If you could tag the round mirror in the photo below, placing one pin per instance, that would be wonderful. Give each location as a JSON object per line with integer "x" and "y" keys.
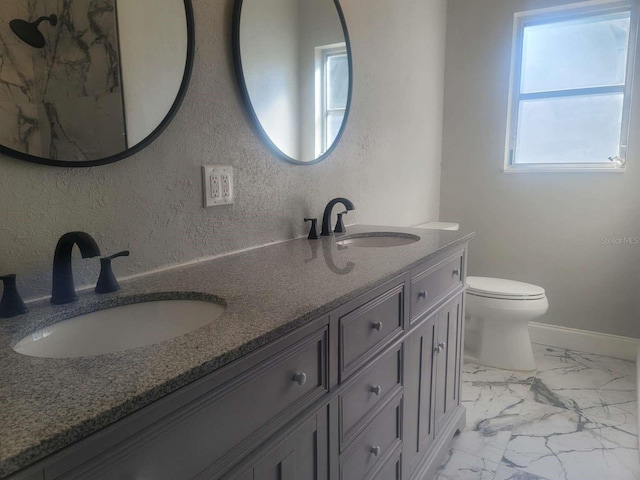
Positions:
{"x": 293, "y": 62}
{"x": 90, "y": 82}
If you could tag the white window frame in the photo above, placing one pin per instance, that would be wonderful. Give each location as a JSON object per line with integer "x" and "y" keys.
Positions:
{"x": 322, "y": 89}
{"x": 554, "y": 14}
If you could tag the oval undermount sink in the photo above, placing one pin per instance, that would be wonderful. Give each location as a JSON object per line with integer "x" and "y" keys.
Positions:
{"x": 378, "y": 239}
{"x": 119, "y": 328}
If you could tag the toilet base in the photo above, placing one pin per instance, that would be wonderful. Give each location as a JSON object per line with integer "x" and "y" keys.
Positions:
{"x": 499, "y": 344}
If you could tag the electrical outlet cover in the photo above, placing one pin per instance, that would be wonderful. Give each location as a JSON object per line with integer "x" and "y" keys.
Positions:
{"x": 217, "y": 185}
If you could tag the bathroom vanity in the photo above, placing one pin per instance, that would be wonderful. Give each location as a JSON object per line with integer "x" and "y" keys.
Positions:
{"x": 330, "y": 362}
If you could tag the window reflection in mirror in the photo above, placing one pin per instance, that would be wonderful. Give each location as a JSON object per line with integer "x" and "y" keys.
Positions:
{"x": 294, "y": 69}
{"x": 332, "y": 90}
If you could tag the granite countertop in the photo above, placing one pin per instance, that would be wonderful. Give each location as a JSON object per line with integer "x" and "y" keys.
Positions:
{"x": 48, "y": 404}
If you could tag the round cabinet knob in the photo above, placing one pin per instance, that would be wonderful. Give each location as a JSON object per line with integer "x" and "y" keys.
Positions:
{"x": 440, "y": 347}
{"x": 456, "y": 272}
{"x": 377, "y": 326}
{"x": 423, "y": 295}
{"x": 377, "y": 390}
{"x": 376, "y": 451}
{"x": 300, "y": 378}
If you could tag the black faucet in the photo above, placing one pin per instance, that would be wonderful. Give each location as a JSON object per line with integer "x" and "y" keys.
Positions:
{"x": 63, "y": 290}
{"x": 326, "y": 219}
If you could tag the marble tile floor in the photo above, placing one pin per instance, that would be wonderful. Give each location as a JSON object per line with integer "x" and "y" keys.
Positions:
{"x": 574, "y": 418}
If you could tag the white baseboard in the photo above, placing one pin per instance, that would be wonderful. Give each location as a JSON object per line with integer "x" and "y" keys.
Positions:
{"x": 626, "y": 348}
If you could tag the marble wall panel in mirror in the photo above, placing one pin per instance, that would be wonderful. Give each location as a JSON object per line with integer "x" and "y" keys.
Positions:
{"x": 105, "y": 78}
{"x": 294, "y": 69}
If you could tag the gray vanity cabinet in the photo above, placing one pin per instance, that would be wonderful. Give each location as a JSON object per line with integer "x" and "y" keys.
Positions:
{"x": 432, "y": 383}
{"x": 302, "y": 454}
{"x": 370, "y": 391}
{"x": 448, "y": 362}
{"x": 433, "y": 350}
{"x": 419, "y": 421}
{"x": 205, "y": 428}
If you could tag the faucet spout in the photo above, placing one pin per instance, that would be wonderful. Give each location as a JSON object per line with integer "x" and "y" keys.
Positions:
{"x": 326, "y": 219}
{"x": 63, "y": 289}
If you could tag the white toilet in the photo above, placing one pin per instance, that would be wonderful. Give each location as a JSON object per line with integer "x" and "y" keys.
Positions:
{"x": 498, "y": 313}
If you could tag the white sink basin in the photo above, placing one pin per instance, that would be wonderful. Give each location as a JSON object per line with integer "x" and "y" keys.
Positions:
{"x": 119, "y": 328}
{"x": 378, "y": 239}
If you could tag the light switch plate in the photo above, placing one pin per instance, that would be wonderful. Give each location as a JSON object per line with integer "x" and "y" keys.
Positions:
{"x": 217, "y": 185}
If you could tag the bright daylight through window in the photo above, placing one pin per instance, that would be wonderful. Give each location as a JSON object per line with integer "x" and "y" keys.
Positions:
{"x": 570, "y": 91}
{"x": 332, "y": 90}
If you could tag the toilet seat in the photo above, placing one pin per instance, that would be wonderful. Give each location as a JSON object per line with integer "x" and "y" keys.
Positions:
{"x": 503, "y": 289}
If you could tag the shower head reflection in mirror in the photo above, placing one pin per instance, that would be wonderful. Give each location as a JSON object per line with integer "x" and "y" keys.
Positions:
{"x": 89, "y": 83}
{"x": 28, "y": 31}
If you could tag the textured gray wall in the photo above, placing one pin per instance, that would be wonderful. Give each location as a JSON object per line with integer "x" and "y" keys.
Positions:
{"x": 388, "y": 162}
{"x": 544, "y": 228}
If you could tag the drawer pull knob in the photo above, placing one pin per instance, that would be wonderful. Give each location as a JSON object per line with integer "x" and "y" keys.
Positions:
{"x": 376, "y": 451}
{"x": 300, "y": 378}
{"x": 456, "y": 272}
{"x": 377, "y": 390}
{"x": 377, "y": 326}
{"x": 440, "y": 347}
{"x": 423, "y": 295}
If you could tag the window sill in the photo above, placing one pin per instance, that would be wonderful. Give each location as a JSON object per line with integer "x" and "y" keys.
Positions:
{"x": 578, "y": 168}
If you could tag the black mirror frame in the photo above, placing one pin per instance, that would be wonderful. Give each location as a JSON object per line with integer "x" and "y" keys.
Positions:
{"x": 246, "y": 99}
{"x": 191, "y": 40}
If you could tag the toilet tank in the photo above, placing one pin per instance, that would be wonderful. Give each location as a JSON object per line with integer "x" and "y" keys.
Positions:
{"x": 439, "y": 226}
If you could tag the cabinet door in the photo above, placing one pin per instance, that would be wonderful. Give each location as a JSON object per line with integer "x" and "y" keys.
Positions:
{"x": 301, "y": 455}
{"x": 448, "y": 359}
{"x": 419, "y": 394}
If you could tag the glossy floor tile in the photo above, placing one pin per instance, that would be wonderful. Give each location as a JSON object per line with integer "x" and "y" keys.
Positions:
{"x": 574, "y": 418}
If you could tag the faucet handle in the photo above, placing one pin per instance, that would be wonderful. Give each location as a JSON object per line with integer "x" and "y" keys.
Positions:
{"x": 124, "y": 253}
{"x": 339, "y": 224}
{"x": 107, "y": 282}
{"x": 11, "y": 304}
{"x": 313, "y": 233}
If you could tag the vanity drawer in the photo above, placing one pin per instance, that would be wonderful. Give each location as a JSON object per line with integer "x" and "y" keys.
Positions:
{"x": 378, "y": 439}
{"x": 229, "y": 422}
{"x": 429, "y": 285}
{"x": 377, "y": 383}
{"x": 367, "y": 329}
{"x": 391, "y": 470}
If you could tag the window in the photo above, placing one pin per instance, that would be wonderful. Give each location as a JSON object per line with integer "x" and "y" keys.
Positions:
{"x": 332, "y": 93}
{"x": 571, "y": 85}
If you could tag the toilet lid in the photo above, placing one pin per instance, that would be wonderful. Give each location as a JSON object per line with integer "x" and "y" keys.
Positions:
{"x": 504, "y": 289}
